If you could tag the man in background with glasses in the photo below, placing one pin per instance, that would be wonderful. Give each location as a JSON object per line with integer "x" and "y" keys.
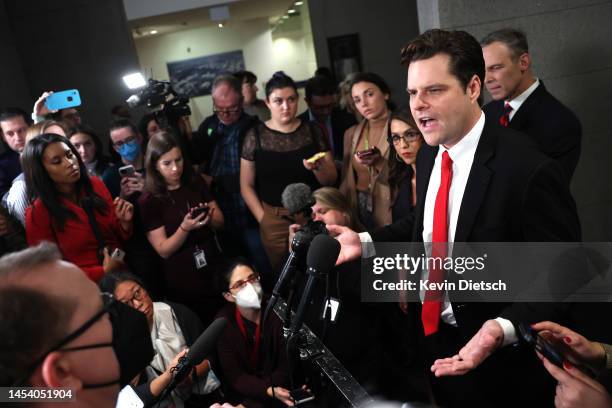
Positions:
{"x": 217, "y": 147}
{"x": 55, "y": 327}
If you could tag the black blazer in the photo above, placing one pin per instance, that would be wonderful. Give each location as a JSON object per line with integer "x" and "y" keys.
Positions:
{"x": 554, "y": 127}
{"x": 513, "y": 194}
{"x": 340, "y": 121}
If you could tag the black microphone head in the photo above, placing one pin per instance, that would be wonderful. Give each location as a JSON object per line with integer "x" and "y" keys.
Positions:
{"x": 207, "y": 341}
{"x": 297, "y": 197}
{"x": 323, "y": 253}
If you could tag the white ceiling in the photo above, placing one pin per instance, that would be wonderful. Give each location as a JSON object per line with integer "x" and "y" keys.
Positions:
{"x": 187, "y": 19}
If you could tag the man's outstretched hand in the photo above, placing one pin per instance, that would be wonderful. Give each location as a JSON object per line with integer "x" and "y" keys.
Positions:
{"x": 482, "y": 345}
{"x": 350, "y": 244}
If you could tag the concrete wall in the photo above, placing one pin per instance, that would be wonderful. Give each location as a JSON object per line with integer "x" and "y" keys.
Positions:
{"x": 83, "y": 44}
{"x": 263, "y": 54}
{"x": 570, "y": 46}
{"x": 383, "y": 27}
{"x": 15, "y": 91}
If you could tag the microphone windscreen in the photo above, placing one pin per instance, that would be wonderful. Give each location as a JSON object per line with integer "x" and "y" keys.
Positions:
{"x": 297, "y": 197}
{"x": 207, "y": 341}
{"x": 323, "y": 253}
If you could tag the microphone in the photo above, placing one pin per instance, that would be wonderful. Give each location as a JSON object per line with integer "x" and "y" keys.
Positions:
{"x": 321, "y": 258}
{"x": 200, "y": 349}
{"x": 300, "y": 242}
{"x": 297, "y": 198}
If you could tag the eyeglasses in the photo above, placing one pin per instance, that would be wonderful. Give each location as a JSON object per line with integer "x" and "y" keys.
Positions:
{"x": 242, "y": 283}
{"x": 138, "y": 295}
{"x": 124, "y": 141}
{"x": 408, "y": 136}
{"x": 108, "y": 304}
{"x": 231, "y": 111}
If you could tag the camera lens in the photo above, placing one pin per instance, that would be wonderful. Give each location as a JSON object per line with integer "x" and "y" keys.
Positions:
{"x": 69, "y": 99}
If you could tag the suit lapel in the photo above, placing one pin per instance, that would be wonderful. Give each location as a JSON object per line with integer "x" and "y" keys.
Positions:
{"x": 477, "y": 184}
{"x": 425, "y": 162}
{"x": 520, "y": 118}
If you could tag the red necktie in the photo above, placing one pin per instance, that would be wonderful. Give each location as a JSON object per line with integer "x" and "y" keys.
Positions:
{"x": 505, "y": 118}
{"x": 432, "y": 305}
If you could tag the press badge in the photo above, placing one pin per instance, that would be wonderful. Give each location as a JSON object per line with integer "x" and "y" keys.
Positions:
{"x": 200, "y": 259}
{"x": 330, "y": 308}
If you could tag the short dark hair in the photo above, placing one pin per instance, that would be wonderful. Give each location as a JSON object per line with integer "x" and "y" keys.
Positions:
{"x": 13, "y": 112}
{"x": 465, "y": 52}
{"x": 514, "y": 39}
{"x": 233, "y": 264}
{"x": 245, "y": 76}
{"x": 122, "y": 123}
{"x": 159, "y": 144}
{"x": 370, "y": 77}
{"x": 320, "y": 85}
{"x": 279, "y": 80}
{"x": 110, "y": 280}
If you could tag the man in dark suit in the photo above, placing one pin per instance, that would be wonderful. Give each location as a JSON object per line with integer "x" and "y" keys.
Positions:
{"x": 321, "y": 98}
{"x": 521, "y": 102}
{"x": 471, "y": 188}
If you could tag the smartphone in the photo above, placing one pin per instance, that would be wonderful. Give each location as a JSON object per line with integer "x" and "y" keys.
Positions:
{"x": 199, "y": 210}
{"x": 127, "y": 171}
{"x": 117, "y": 254}
{"x": 63, "y": 99}
{"x": 540, "y": 344}
{"x": 366, "y": 153}
{"x": 300, "y": 396}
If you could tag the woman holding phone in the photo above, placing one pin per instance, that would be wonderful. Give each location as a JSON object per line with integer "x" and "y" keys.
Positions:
{"x": 179, "y": 216}
{"x": 279, "y": 152}
{"x": 72, "y": 209}
{"x": 366, "y": 152}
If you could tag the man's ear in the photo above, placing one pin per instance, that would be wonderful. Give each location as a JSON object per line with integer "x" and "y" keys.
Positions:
{"x": 524, "y": 61}
{"x": 56, "y": 372}
{"x": 474, "y": 88}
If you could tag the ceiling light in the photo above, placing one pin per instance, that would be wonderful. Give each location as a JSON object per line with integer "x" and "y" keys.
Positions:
{"x": 299, "y": 3}
{"x": 153, "y": 31}
{"x": 135, "y": 80}
{"x": 220, "y": 25}
{"x": 285, "y": 16}
{"x": 291, "y": 11}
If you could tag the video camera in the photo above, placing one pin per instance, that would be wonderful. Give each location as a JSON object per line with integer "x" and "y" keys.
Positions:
{"x": 160, "y": 97}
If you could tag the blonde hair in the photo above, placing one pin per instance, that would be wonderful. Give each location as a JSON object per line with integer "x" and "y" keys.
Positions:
{"x": 332, "y": 198}
{"x": 41, "y": 127}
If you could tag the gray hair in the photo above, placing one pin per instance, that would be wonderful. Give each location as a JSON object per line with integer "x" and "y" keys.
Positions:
{"x": 28, "y": 259}
{"x": 514, "y": 39}
{"x": 228, "y": 79}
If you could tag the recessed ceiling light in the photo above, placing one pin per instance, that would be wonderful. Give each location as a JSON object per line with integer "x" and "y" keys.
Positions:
{"x": 153, "y": 31}
{"x": 291, "y": 11}
{"x": 220, "y": 25}
{"x": 299, "y": 3}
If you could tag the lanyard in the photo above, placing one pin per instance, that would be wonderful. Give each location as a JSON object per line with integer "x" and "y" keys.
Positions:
{"x": 255, "y": 349}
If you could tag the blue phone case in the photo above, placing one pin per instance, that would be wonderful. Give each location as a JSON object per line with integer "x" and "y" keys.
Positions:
{"x": 63, "y": 100}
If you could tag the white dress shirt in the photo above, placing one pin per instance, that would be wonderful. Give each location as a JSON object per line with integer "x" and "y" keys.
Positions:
{"x": 462, "y": 155}
{"x": 519, "y": 100}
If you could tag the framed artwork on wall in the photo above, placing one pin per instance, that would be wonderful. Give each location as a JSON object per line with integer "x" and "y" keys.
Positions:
{"x": 194, "y": 77}
{"x": 344, "y": 55}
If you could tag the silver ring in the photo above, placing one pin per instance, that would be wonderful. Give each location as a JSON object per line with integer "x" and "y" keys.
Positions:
{"x": 200, "y": 223}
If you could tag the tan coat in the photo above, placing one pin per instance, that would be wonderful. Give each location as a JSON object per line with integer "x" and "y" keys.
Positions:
{"x": 379, "y": 182}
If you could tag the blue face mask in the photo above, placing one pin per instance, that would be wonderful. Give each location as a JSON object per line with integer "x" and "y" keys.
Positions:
{"x": 129, "y": 151}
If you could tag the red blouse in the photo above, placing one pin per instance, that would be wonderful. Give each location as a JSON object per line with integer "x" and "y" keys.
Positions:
{"x": 77, "y": 241}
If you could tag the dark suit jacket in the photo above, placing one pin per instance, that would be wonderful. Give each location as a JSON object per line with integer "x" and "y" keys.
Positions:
{"x": 551, "y": 124}
{"x": 513, "y": 194}
{"x": 340, "y": 121}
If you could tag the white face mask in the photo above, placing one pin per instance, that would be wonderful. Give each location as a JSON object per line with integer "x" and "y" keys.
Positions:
{"x": 250, "y": 296}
